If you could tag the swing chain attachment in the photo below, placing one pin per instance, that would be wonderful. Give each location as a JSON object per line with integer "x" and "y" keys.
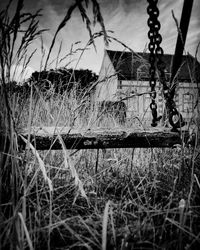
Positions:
{"x": 156, "y": 61}
{"x": 154, "y": 48}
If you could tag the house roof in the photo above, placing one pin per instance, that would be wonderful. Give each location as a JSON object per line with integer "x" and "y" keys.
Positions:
{"x": 127, "y": 65}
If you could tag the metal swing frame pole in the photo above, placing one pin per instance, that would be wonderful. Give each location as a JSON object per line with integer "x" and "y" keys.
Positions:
{"x": 181, "y": 39}
{"x": 156, "y": 50}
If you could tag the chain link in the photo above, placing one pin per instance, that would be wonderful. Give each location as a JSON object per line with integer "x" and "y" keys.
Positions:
{"x": 156, "y": 61}
{"x": 155, "y": 39}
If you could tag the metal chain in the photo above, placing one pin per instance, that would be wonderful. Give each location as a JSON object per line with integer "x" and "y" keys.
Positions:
{"x": 154, "y": 37}
{"x": 155, "y": 60}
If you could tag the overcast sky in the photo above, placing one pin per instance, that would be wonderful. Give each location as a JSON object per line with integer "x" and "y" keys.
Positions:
{"x": 128, "y": 20}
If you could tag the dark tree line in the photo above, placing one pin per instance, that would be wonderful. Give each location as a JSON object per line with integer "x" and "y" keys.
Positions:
{"x": 61, "y": 80}
{"x": 65, "y": 79}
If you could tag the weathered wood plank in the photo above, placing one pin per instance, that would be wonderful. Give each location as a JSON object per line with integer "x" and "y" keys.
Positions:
{"x": 45, "y": 138}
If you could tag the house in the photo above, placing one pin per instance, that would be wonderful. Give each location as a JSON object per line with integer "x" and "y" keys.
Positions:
{"x": 125, "y": 76}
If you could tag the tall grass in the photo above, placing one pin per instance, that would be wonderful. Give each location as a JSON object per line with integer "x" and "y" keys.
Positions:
{"x": 113, "y": 199}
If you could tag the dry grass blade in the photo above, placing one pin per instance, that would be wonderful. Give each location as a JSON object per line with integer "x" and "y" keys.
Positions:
{"x": 99, "y": 18}
{"x": 105, "y": 225}
{"x": 26, "y": 232}
{"x": 40, "y": 161}
{"x": 85, "y": 18}
{"x": 198, "y": 182}
{"x": 16, "y": 24}
{"x": 92, "y": 232}
{"x": 113, "y": 226}
{"x": 175, "y": 223}
{"x": 29, "y": 35}
{"x": 62, "y": 24}
{"x": 70, "y": 165}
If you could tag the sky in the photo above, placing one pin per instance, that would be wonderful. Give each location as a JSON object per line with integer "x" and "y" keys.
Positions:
{"x": 126, "y": 18}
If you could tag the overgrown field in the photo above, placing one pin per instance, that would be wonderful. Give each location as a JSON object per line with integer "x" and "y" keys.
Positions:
{"x": 119, "y": 199}
{"x": 98, "y": 199}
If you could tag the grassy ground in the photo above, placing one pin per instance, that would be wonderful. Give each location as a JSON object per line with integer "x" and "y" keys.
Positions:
{"x": 101, "y": 199}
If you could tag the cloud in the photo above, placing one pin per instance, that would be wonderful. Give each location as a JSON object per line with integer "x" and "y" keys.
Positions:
{"x": 127, "y": 18}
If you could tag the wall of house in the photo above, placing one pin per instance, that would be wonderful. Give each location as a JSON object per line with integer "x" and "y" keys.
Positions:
{"x": 107, "y": 87}
{"x": 139, "y": 106}
{"x": 186, "y": 98}
{"x": 112, "y": 89}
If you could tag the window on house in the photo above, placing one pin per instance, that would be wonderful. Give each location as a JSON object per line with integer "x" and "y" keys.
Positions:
{"x": 142, "y": 72}
{"x": 188, "y": 102}
{"x": 119, "y": 85}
